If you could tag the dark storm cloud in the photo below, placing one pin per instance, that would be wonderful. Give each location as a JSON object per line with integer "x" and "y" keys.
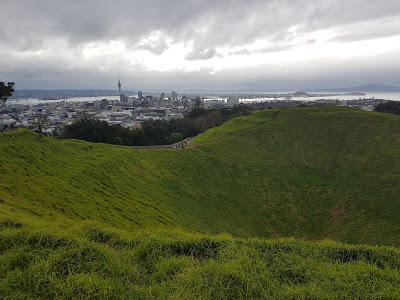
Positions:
{"x": 28, "y": 26}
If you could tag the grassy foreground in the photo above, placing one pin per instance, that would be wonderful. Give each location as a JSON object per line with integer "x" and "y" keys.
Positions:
{"x": 84, "y": 220}
{"x": 89, "y": 261}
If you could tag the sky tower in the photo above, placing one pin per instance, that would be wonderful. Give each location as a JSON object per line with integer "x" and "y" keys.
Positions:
{"x": 119, "y": 85}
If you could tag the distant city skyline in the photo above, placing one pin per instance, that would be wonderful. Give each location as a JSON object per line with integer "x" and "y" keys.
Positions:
{"x": 194, "y": 45}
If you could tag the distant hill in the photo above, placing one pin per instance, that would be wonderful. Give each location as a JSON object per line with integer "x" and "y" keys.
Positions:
{"x": 96, "y": 221}
{"x": 371, "y": 88}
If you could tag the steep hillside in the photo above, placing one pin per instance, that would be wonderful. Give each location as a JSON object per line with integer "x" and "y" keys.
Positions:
{"x": 95, "y": 221}
{"x": 309, "y": 173}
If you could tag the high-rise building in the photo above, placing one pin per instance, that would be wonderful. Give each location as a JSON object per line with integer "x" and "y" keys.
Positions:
{"x": 162, "y": 96}
{"x": 119, "y": 85}
{"x": 104, "y": 103}
{"x": 173, "y": 95}
{"x": 140, "y": 95}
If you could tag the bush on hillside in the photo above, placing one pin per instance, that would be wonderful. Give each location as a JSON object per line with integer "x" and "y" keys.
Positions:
{"x": 117, "y": 141}
{"x": 391, "y": 107}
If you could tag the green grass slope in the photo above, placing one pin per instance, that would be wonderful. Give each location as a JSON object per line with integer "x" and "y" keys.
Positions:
{"x": 91, "y": 262}
{"x": 317, "y": 173}
{"x": 310, "y": 173}
{"x": 84, "y": 220}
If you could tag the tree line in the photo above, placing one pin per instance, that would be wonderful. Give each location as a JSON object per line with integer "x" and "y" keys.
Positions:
{"x": 390, "y": 107}
{"x": 157, "y": 132}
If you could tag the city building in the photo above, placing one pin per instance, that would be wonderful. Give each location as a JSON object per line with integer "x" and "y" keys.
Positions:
{"x": 104, "y": 103}
{"x": 123, "y": 98}
{"x": 233, "y": 101}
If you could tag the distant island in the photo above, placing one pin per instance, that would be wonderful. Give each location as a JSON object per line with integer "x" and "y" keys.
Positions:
{"x": 305, "y": 94}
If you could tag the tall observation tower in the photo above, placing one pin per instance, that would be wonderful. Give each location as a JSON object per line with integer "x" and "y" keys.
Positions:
{"x": 119, "y": 85}
{"x": 121, "y": 96}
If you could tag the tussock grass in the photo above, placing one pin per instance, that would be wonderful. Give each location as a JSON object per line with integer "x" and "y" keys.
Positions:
{"x": 177, "y": 265}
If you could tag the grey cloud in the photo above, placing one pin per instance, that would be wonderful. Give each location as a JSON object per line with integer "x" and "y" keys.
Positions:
{"x": 271, "y": 49}
{"x": 317, "y": 74}
{"x": 155, "y": 47}
{"x": 367, "y": 31}
{"x": 199, "y": 54}
{"x": 244, "y": 51}
{"x": 277, "y": 48}
{"x": 329, "y": 13}
{"x": 225, "y": 22}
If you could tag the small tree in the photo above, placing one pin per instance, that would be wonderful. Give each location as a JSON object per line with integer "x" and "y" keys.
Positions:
{"x": 40, "y": 123}
{"x": 116, "y": 141}
{"x": 5, "y": 92}
{"x": 197, "y": 102}
{"x": 175, "y": 137}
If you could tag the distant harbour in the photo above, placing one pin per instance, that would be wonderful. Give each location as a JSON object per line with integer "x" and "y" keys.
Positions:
{"x": 30, "y": 101}
{"x": 346, "y": 97}
{"x": 245, "y": 98}
{"x": 342, "y": 97}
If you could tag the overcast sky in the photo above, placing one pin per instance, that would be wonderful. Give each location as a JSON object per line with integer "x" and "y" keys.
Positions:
{"x": 199, "y": 44}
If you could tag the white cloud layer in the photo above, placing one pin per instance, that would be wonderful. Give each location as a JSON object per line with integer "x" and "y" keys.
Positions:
{"x": 174, "y": 44}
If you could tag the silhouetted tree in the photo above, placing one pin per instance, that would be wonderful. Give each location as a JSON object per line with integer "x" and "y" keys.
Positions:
{"x": 5, "y": 92}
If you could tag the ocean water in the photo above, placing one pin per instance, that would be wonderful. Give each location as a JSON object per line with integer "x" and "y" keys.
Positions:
{"x": 31, "y": 101}
{"x": 386, "y": 96}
